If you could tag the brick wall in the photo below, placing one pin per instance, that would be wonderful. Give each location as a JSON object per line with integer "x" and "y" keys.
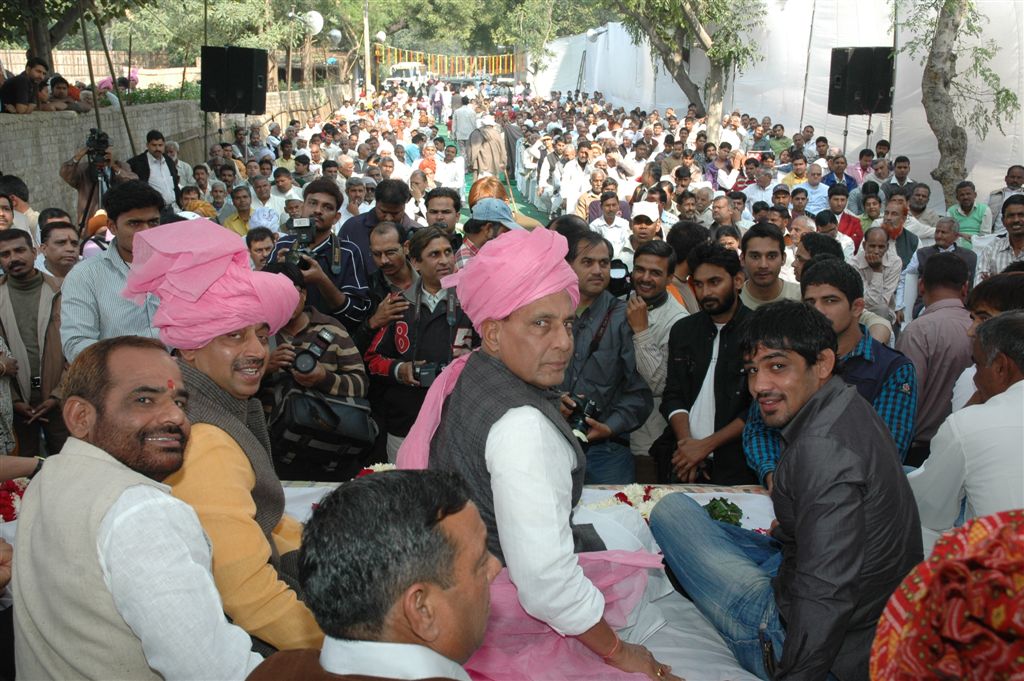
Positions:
{"x": 34, "y": 146}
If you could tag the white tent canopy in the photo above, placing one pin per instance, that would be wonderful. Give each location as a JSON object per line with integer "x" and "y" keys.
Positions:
{"x": 793, "y": 77}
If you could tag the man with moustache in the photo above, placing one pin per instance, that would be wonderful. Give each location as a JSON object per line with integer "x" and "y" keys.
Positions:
{"x": 652, "y": 313}
{"x": 603, "y": 367}
{"x": 334, "y": 269}
{"x": 218, "y": 315}
{"x": 142, "y": 603}
{"x": 703, "y": 400}
{"x": 432, "y": 329}
{"x": 394, "y": 275}
{"x": 502, "y": 431}
{"x": 30, "y": 323}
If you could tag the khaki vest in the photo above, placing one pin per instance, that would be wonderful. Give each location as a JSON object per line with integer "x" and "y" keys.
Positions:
{"x": 65, "y": 622}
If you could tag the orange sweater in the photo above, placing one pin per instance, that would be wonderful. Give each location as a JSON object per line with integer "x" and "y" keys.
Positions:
{"x": 216, "y": 480}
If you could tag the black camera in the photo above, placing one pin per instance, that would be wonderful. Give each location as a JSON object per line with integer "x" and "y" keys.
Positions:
{"x": 585, "y": 408}
{"x": 304, "y": 232}
{"x": 96, "y": 146}
{"x": 305, "y": 361}
{"x": 426, "y": 373}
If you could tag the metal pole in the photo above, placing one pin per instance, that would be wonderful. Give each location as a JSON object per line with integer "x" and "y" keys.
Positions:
{"x": 807, "y": 66}
{"x": 129, "y": 54}
{"x": 366, "y": 45}
{"x": 92, "y": 77}
{"x": 895, "y": 56}
{"x": 206, "y": 116}
{"x": 110, "y": 65}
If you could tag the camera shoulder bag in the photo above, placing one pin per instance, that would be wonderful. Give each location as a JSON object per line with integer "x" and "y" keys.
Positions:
{"x": 307, "y": 424}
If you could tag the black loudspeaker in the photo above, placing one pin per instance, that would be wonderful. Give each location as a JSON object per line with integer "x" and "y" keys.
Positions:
{"x": 234, "y": 80}
{"x": 860, "y": 81}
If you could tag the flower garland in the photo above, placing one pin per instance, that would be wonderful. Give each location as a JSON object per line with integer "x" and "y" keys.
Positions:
{"x": 11, "y": 492}
{"x": 376, "y": 468}
{"x": 641, "y": 497}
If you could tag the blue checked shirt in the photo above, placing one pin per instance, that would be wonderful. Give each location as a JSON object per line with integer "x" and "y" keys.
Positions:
{"x": 896, "y": 404}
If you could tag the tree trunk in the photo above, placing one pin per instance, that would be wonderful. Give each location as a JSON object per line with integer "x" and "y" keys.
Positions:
{"x": 37, "y": 31}
{"x": 716, "y": 94}
{"x": 671, "y": 54}
{"x": 939, "y": 71}
{"x": 271, "y": 70}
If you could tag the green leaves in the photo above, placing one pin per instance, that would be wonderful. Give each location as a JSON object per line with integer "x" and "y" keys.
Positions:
{"x": 725, "y": 511}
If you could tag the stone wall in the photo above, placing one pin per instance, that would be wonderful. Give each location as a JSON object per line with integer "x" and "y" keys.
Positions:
{"x": 34, "y": 146}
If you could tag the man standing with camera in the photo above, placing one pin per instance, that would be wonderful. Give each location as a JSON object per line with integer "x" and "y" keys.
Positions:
{"x": 603, "y": 368}
{"x": 406, "y": 355}
{"x": 331, "y": 265}
{"x": 93, "y": 172}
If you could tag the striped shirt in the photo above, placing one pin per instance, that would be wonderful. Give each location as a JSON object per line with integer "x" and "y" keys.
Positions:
{"x": 895, "y": 404}
{"x": 995, "y": 257}
{"x": 92, "y": 307}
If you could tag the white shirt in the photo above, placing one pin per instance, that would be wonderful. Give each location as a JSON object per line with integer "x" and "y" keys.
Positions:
{"x": 531, "y": 464}
{"x": 160, "y": 178}
{"x": 389, "y": 660}
{"x": 617, "y": 233}
{"x": 978, "y": 455}
{"x": 755, "y": 193}
{"x": 964, "y": 388}
{"x": 702, "y": 413}
{"x": 155, "y": 561}
{"x": 452, "y": 175}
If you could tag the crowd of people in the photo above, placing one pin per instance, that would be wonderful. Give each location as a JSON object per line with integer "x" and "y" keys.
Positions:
{"x": 753, "y": 312}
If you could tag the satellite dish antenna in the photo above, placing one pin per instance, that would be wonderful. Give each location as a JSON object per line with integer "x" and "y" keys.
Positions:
{"x": 334, "y": 35}
{"x": 381, "y": 36}
{"x": 314, "y": 22}
{"x": 594, "y": 32}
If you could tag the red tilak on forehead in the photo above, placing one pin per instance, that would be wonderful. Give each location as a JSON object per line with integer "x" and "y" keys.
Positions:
{"x": 170, "y": 384}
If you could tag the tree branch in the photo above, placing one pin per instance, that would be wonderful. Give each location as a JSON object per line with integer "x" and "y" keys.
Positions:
{"x": 698, "y": 28}
{"x": 65, "y": 24}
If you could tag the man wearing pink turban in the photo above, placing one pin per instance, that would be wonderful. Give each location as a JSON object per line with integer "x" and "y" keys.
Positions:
{"x": 217, "y": 315}
{"x": 493, "y": 417}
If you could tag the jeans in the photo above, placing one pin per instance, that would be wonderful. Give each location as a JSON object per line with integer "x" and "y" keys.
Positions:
{"x": 609, "y": 463}
{"x": 727, "y": 572}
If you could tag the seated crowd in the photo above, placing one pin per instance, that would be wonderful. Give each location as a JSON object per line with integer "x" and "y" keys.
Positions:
{"x": 306, "y": 301}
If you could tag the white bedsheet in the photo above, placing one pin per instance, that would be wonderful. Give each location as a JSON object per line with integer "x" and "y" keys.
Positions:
{"x": 686, "y": 641}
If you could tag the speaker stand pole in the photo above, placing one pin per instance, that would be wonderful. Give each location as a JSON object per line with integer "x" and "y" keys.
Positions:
{"x": 868, "y": 145}
{"x": 846, "y": 132}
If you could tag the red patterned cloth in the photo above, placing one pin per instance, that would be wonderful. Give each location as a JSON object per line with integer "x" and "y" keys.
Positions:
{"x": 960, "y": 613}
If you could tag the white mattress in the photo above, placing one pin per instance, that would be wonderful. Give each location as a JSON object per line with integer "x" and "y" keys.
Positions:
{"x": 687, "y": 641}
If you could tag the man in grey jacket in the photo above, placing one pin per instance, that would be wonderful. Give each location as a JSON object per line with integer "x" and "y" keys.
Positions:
{"x": 603, "y": 367}
{"x": 803, "y": 602}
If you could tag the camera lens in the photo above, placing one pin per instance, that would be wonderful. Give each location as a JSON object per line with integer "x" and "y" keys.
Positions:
{"x": 305, "y": 362}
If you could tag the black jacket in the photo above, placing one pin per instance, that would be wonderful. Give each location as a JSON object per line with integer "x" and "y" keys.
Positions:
{"x": 849, "y": 529}
{"x": 140, "y": 166}
{"x": 689, "y": 356}
{"x": 428, "y": 336}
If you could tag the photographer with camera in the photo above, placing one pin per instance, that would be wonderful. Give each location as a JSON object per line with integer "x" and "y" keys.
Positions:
{"x": 332, "y": 266}
{"x": 315, "y": 352}
{"x": 604, "y": 395}
{"x": 407, "y": 355}
{"x": 93, "y": 170}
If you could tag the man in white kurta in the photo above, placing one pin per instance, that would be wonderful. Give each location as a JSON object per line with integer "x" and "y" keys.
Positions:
{"x": 977, "y": 455}
{"x": 111, "y": 573}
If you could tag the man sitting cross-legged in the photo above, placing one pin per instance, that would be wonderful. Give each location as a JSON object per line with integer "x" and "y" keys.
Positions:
{"x": 802, "y": 603}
